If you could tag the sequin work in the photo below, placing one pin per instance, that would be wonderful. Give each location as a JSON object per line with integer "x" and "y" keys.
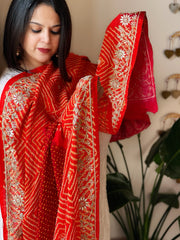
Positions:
{"x": 83, "y": 163}
{"x": 126, "y": 74}
{"x": 118, "y": 68}
{"x": 49, "y": 156}
{"x": 17, "y": 100}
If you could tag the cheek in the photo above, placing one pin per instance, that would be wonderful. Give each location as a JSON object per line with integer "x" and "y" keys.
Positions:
{"x": 56, "y": 42}
{"x": 29, "y": 43}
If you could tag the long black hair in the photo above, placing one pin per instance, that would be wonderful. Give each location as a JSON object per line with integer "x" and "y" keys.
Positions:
{"x": 18, "y": 17}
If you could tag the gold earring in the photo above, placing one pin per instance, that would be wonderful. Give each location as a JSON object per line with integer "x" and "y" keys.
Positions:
{"x": 18, "y": 52}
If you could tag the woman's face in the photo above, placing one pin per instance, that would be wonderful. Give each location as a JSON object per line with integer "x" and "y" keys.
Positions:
{"x": 42, "y": 36}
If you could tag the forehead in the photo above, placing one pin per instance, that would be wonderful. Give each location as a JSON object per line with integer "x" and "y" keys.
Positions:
{"x": 44, "y": 13}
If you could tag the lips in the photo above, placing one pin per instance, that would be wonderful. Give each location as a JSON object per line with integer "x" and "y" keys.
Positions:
{"x": 44, "y": 50}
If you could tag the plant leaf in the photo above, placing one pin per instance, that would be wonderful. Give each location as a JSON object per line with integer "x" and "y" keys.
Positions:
{"x": 169, "y": 199}
{"x": 173, "y": 169}
{"x": 108, "y": 159}
{"x": 119, "y": 191}
{"x": 157, "y": 159}
{"x": 167, "y": 150}
{"x": 119, "y": 180}
{"x": 155, "y": 148}
{"x": 171, "y": 143}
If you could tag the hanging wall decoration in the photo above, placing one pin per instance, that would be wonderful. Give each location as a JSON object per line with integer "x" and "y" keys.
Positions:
{"x": 168, "y": 120}
{"x": 174, "y": 6}
{"x": 171, "y": 51}
{"x": 175, "y": 93}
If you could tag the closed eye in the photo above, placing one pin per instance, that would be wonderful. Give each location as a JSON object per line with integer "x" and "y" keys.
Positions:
{"x": 56, "y": 32}
{"x": 37, "y": 28}
{"x": 35, "y": 31}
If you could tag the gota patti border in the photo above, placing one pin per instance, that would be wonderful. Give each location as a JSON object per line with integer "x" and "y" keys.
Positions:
{"x": 78, "y": 212}
{"x": 16, "y": 101}
{"x": 116, "y": 61}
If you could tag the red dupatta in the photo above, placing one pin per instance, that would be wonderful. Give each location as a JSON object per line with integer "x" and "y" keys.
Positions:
{"x": 33, "y": 159}
{"x": 126, "y": 72}
{"x": 50, "y": 146}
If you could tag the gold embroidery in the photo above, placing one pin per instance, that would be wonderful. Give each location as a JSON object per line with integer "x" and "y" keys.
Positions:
{"x": 125, "y": 19}
{"x": 122, "y": 58}
{"x": 16, "y": 100}
{"x": 87, "y": 158}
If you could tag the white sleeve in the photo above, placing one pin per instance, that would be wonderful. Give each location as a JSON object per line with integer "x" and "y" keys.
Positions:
{"x": 5, "y": 77}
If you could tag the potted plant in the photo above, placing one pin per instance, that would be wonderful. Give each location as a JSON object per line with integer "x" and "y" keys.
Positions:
{"x": 139, "y": 212}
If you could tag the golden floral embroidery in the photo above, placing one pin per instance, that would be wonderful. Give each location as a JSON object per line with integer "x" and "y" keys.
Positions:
{"x": 16, "y": 100}
{"x": 122, "y": 58}
{"x": 83, "y": 203}
{"x": 114, "y": 68}
{"x": 87, "y": 158}
{"x": 125, "y": 19}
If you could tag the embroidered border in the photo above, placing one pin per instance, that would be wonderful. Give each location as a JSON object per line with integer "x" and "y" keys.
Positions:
{"x": 80, "y": 186}
{"x": 115, "y": 63}
{"x": 15, "y": 102}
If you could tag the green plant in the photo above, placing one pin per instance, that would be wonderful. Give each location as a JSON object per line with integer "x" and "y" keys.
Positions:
{"x": 136, "y": 223}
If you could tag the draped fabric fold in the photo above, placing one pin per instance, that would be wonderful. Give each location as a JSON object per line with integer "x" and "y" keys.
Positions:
{"x": 49, "y": 162}
{"x": 125, "y": 70}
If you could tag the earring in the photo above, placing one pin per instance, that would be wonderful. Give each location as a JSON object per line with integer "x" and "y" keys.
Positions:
{"x": 18, "y": 51}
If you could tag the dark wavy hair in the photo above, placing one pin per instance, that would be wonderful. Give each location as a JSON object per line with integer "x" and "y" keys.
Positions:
{"x": 18, "y": 17}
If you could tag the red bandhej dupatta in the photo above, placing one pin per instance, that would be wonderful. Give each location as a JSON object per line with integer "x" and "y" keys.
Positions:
{"x": 49, "y": 182}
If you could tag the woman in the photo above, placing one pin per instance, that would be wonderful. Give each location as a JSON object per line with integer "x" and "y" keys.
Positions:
{"x": 51, "y": 115}
{"x": 17, "y": 21}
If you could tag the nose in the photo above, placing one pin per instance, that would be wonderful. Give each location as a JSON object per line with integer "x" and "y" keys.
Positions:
{"x": 46, "y": 36}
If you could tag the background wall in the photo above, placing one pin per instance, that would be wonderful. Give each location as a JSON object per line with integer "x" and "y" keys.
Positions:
{"x": 90, "y": 19}
{"x": 4, "y": 4}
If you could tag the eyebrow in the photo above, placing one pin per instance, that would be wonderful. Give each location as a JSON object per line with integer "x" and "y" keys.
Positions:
{"x": 57, "y": 25}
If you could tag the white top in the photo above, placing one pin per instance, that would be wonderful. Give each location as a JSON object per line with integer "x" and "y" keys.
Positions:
{"x": 6, "y": 76}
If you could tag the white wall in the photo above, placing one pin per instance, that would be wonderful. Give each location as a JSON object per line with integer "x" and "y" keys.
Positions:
{"x": 90, "y": 19}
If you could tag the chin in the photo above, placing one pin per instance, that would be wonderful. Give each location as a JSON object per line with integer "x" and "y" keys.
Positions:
{"x": 45, "y": 62}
